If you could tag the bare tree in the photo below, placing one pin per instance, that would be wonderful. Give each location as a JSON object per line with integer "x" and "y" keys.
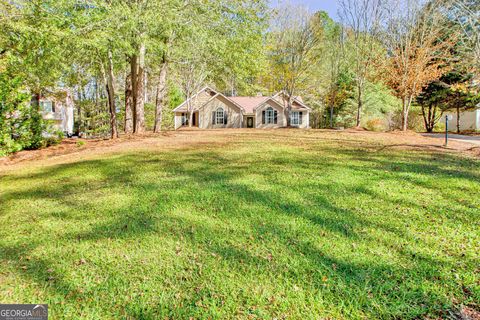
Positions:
{"x": 335, "y": 60}
{"x": 418, "y": 44}
{"x": 467, "y": 15}
{"x": 293, "y": 39}
{"x": 192, "y": 78}
{"x": 362, "y": 19}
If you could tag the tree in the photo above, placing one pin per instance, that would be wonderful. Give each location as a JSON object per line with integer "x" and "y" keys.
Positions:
{"x": 292, "y": 40}
{"x": 31, "y": 50}
{"x": 333, "y": 64}
{"x": 362, "y": 20}
{"x": 109, "y": 80}
{"x": 452, "y": 91}
{"x": 430, "y": 100}
{"x": 15, "y": 116}
{"x": 419, "y": 47}
{"x": 466, "y": 15}
{"x": 161, "y": 94}
{"x": 220, "y": 41}
{"x": 192, "y": 72}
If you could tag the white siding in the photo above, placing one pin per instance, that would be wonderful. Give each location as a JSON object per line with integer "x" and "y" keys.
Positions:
{"x": 469, "y": 120}
{"x": 234, "y": 115}
{"x": 281, "y": 120}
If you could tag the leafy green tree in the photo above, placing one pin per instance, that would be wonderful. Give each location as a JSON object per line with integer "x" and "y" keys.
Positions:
{"x": 31, "y": 50}
{"x": 292, "y": 40}
{"x": 452, "y": 91}
{"x": 361, "y": 19}
{"x": 17, "y": 117}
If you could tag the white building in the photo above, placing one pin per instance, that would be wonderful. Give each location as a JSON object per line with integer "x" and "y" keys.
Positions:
{"x": 469, "y": 119}
{"x": 58, "y": 110}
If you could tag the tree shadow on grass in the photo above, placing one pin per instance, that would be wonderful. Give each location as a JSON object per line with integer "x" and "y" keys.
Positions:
{"x": 212, "y": 173}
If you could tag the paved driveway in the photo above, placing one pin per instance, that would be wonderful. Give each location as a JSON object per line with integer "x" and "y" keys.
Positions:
{"x": 457, "y": 137}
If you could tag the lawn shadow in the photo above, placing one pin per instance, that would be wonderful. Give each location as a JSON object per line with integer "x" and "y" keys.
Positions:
{"x": 204, "y": 173}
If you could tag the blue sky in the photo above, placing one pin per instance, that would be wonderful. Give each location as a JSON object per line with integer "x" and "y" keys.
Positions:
{"x": 326, "y": 5}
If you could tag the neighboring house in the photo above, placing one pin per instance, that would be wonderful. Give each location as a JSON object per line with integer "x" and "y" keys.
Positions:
{"x": 469, "y": 119}
{"x": 211, "y": 109}
{"x": 57, "y": 109}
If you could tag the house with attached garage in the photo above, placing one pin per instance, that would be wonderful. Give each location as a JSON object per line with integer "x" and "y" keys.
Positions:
{"x": 212, "y": 109}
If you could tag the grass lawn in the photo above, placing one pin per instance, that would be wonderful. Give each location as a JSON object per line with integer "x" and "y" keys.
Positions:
{"x": 278, "y": 224}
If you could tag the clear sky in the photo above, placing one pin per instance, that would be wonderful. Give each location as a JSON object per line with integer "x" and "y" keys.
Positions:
{"x": 329, "y": 6}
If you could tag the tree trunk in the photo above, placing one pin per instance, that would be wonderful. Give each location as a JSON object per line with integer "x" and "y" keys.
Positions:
{"x": 139, "y": 95}
{"x": 190, "y": 119}
{"x": 111, "y": 97}
{"x": 359, "y": 107}
{"x": 405, "y": 109}
{"x": 161, "y": 94}
{"x": 128, "y": 104}
{"x": 458, "y": 119}
{"x": 425, "y": 119}
{"x": 430, "y": 119}
{"x": 331, "y": 116}
{"x": 133, "y": 79}
{"x": 79, "y": 112}
{"x": 289, "y": 110}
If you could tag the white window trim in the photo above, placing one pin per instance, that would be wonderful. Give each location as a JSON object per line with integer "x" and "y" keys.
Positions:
{"x": 269, "y": 116}
{"x": 295, "y": 118}
{"x": 220, "y": 116}
{"x": 44, "y": 103}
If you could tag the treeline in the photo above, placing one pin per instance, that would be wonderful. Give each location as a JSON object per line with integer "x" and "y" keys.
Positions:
{"x": 383, "y": 59}
{"x": 124, "y": 62}
{"x": 127, "y": 63}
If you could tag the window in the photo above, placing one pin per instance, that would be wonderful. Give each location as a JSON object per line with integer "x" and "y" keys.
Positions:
{"x": 269, "y": 116}
{"x": 46, "y": 106}
{"x": 219, "y": 116}
{"x": 295, "y": 118}
{"x": 184, "y": 119}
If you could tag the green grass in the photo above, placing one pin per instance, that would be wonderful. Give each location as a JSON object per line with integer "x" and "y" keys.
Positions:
{"x": 258, "y": 227}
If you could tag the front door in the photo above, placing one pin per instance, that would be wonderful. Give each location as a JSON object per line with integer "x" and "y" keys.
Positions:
{"x": 249, "y": 122}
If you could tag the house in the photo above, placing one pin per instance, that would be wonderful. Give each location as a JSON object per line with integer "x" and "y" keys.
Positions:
{"x": 57, "y": 109}
{"x": 211, "y": 109}
{"x": 468, "y": 120}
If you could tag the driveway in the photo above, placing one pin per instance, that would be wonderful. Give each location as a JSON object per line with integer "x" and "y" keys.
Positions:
{"x": 457, "y": 137}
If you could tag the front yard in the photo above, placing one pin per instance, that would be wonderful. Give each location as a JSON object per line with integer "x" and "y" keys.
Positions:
{"x": 244, "y": 224}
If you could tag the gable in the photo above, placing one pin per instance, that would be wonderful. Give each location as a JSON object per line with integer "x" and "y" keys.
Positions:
{"x": 221, "y": 100}
{"x": 297, "y": 101}
{"x": 199, "y": 99}
{"x": 270, "y": 103}
{"x": 247, "y": 105}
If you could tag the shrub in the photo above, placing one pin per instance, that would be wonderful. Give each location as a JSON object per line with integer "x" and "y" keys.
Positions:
{"x": 376, "y": 124}
{"x": 50, "y": 141}
{"x": 20, "y": 124}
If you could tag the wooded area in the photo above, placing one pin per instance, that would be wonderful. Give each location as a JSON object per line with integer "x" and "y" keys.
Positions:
{"x": 127, "y": 64}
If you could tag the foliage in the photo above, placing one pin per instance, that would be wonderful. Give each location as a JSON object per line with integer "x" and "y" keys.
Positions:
{"x": 362, "y": 19}
{"x": 452, "y": 91}
{"x": 420, "y": 42}
{"x": 291, "y": 43}
{"x": 20, "y": 125}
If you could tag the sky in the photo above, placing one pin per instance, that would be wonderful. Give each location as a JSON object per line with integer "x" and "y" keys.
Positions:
{"x": 329, "y": 6}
